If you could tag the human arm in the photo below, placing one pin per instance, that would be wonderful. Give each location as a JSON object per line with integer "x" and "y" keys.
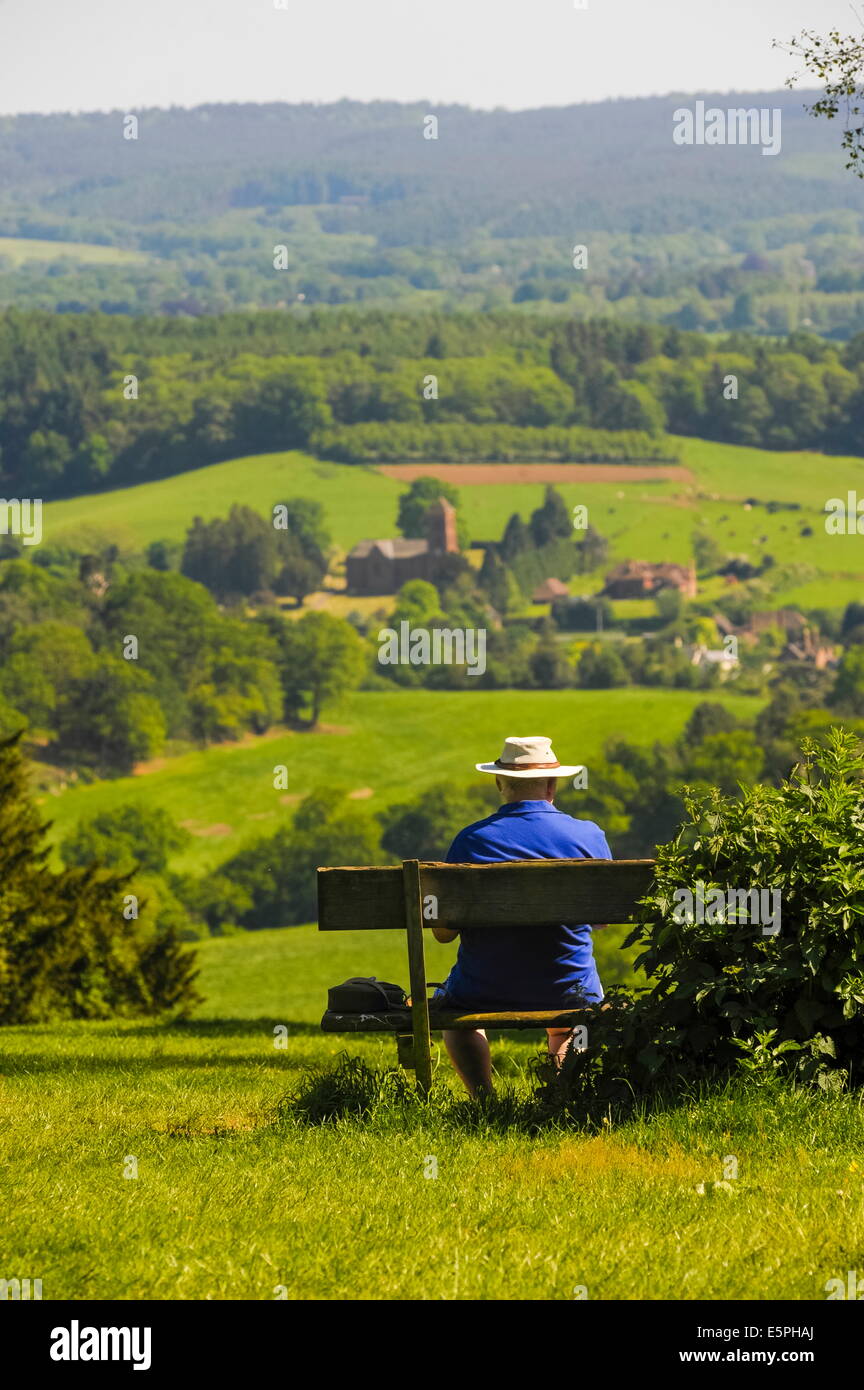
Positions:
{"x": 455, "y": 855}
{"x": 442, "y": 933}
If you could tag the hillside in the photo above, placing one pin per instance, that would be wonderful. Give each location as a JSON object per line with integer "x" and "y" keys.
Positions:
{"x": 651, "y": 520}
{"x": 376, "y": 746}
{"x": 486, "y": 214}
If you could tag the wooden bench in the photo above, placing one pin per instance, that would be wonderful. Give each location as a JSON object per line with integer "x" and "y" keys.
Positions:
{"x": 521, "y": 893}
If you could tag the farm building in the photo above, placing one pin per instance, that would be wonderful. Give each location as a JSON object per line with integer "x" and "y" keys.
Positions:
{"x": 789, "y": 620}
{"x": 724, "y": 661}
{"x": 810, "y": 650}
{"x": 640, "y": 579}
{"x": 804, "y": 644}
{"x": 383, "y": 566}
{"x": 549, "y": 590}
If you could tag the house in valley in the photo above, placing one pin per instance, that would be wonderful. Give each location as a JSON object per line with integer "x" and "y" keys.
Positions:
{"x": 549, "y": 591}
{"x": 641, "y": 579}
{"x": 383, "y": 566}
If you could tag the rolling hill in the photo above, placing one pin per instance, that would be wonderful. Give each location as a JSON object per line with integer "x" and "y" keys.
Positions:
{"x": 487, "y": 214}
{"x": 375, "y": 745}
{"x": 643, "y": 520}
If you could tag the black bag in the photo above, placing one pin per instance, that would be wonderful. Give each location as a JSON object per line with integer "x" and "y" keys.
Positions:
{"x": 365, "y": 995}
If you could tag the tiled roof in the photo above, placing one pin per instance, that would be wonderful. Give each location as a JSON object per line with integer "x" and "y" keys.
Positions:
{"x": 398, "y": 548}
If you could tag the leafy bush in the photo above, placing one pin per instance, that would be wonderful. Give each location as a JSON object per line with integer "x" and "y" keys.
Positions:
{"x": 425, "y": 827}
{"x": 271, "y": 882}
{"x": 131, "y": 835}
{"x": 721, "y": 990}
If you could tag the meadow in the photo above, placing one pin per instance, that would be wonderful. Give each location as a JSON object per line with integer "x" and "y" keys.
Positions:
{"x": 651, "y": 520}
{"x": 386, "y": 746}
{"x": 156, "y": 1161}
{"x": 179, "y": 1160}
{"x": 19, "y": 250}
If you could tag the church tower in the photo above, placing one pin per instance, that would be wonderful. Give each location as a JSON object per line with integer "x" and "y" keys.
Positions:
{"x": 441, "y": 528}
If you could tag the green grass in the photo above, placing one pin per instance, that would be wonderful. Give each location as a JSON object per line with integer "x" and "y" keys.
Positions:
{"x": 626, "y": 609}
{"x": 235, "y": 1197}
{"x": 19, "y": 250}
{"x": 380, "y": 741}
{"x": 649, "y": 521}
{"x": 357, "y": 501}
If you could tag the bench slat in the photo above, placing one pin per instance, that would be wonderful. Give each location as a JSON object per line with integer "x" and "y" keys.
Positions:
{"x": 524, "y": 892}
{"x": 400, "y": 1020}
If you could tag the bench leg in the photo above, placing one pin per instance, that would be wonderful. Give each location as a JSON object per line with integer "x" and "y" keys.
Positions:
{"x": 405, "y": 1050}
{"x": 417, "y": 972}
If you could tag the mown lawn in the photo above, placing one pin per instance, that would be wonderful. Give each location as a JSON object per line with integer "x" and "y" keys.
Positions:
{"x": 236, "y": 1197}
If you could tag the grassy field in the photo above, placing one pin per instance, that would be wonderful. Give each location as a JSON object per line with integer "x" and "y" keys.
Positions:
{"x": 19, "y": 250}
{"x": 645, "y": 520}
{"x": 150, "y": 1161}
{"x": 225, "y": 794}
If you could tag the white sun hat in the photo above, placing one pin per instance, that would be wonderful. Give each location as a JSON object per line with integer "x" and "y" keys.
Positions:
{"x": 528, "y": 757}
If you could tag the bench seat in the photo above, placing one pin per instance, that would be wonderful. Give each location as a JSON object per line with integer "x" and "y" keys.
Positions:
{"x": 401, "y": 1020}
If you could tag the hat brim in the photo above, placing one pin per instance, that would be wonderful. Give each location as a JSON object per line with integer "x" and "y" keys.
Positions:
{"x": 530, "y": 774}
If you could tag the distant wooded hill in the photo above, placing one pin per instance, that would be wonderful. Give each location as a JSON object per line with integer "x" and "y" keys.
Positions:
{"x": 711, "y": 237}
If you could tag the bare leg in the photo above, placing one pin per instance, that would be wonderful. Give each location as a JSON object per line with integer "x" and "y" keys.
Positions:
{"x": 559, "y": 1041}
{"x": 468, "y": 1050}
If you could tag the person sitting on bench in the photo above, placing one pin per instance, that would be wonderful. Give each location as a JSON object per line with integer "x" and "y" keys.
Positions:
{"x": 507, "y": 967}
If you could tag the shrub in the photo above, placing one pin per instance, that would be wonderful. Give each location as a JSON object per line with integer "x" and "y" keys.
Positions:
{"x": 131, "y": 835}
{"x": 721, "y": 990}
{"x": 271, "y": 882}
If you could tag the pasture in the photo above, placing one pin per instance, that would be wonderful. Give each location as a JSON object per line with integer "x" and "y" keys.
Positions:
{"x": 20, "y": 250}
{"x": 173, "y": 1161}
{"x": 647, "y": 520}
{"x": 378, "y": 741}
{"x": 156, "y": 1161}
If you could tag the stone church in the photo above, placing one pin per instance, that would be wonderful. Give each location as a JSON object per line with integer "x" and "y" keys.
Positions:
{"x": 382, "y": 567}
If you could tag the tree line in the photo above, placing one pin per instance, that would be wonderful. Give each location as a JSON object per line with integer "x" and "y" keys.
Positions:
{"x": 96, "y": 402}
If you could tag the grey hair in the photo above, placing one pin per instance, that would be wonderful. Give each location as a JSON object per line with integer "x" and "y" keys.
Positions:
{"x": 522, "y": 788}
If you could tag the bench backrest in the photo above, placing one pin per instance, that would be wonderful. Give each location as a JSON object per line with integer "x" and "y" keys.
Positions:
{"x": 518, "y": 893}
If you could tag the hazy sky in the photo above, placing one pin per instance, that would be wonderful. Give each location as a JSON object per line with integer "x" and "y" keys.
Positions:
{"x": 81, "y": 55}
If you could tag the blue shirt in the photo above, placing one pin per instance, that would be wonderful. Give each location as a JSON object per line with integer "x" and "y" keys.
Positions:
{"x": 519, "y": 967}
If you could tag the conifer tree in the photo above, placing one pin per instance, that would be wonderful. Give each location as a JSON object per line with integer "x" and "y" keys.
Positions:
{"x": 70, "y": 945}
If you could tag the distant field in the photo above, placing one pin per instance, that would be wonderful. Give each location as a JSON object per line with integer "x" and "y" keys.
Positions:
{"x": 358, "y": 502}
{"x": 649, "y": 520}
{"x": 22, "y": 249}
{"x": 394, "y": 744}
